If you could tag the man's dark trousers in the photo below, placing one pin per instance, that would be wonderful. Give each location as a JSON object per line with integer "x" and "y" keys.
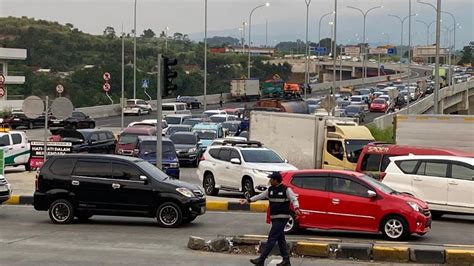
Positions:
{"x": 277, "y": 234}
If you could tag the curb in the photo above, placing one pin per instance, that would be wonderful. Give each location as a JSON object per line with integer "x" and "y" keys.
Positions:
{"x": 211, "y": 205}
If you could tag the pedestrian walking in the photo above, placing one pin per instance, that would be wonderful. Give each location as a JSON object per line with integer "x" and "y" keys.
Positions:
{"x": 221, "y": 100}
{"x": 280, "y": 197}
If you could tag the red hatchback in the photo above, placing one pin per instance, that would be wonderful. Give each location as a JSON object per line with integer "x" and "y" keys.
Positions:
{"x": 378, "y": 105}
{"x": 345, "y": 200}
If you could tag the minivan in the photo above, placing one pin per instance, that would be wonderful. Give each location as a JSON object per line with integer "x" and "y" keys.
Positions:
{"x": 146, "y": 150}
{"x": 128, "y": 138}
{"x": 83, "y": 185}
{"x": 174, "y": 108}
{"x": 177, "y": 119}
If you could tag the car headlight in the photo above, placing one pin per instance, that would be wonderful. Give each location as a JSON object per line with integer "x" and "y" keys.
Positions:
{"x": 174, "y": 165}
{"x": 1, "y": 120}
{"x": 192, "y": 150}
{"x": 262, "y": 172}
{"x": 414, "y": 206}
{"x": 186, "y": 192}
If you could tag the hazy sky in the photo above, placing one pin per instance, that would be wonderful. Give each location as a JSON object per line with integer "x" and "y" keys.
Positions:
{"x": 286, "y": 18}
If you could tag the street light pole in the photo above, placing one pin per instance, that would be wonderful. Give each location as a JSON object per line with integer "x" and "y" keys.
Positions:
{"x": 250, "y": 35}
{"x": 123, "y": 81}
{"x": 402, "y": 21}
{"x": 427, "y": 31}
{"x": 306, "y": 68}
{"x": 135, "y": 51}
{"x": 334, "y": 53}
{"x": 319, "y": 33}
{"x": 166, "y": 39}
{"x": 388, "y": 37}
{"x": 363, "y": 50}
{"x": 205, "y": 55}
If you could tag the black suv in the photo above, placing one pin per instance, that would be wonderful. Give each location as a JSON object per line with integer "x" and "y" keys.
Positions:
{"x": 89, "y": 140}
{"x": 83, "y": 185}
{"x": 191, "y": 102}
{"x": 76, "y": 121}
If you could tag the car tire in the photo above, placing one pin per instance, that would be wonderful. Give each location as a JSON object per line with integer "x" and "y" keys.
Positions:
{"x": 169, "y": 215}
{"x": 209, "y": 185}
{"x": 30, "y": 125}
{"x": 27, "y": 167}
{"x": 395, "y": 228}
{"x": 149, "y": 111}
{"x": 61, "y": 211}
{"x": 248, "y": 188}
{"x": 139, "y": 113}
{"x": 291, "y": 226}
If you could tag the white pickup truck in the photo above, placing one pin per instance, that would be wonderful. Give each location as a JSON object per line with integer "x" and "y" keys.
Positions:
{"x": 16, "y": 148}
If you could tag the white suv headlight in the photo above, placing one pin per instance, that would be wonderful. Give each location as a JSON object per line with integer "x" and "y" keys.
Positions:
{"x": 186, "y": 192}
{"x": 262, "y": 172}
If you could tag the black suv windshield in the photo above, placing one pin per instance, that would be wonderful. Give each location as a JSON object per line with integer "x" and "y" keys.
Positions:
{"x": 149, "y": 147}
{"x": 261, "y": 156}
{"x": 173, "y": 120}
{"x": 183, "y": 139}
{"x": 152, "y": 171}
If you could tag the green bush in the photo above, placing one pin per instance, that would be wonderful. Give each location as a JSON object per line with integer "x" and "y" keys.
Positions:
{"x": 385, "y": 135}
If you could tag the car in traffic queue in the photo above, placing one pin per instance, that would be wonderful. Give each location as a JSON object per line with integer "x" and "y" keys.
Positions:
{"x": 192, "y": 121}
{"x": 5, "y": 190}
{"x": 83, "y": 185}
{"x": 16, "y": 148}
{"x": 188, "y": 147}
{"x": 191, "y": 102}
{"x": 78, "y": 120}
{"x": 128, "y": 139}
{"x": 137, "y": 107}
{"x": 222, "y": 118}
{"x": 150, "y": 122}
{"x": 146, "y": 150}
{"x": 241, "y": 166}
{"x": 355, "y": 111}
{"x": 89, "y": 140}
{"x": 209, "y": 113}
{"x": 375, "y": 157}
{"x": 208, "y": 132}
{"x": 379, "y": 105}
{"x": 177, "y": 128}
{"x": 19, "y": 119}
{"x": 361, "y": 100}
{"x": 346, "y": 200}
{"x": 231, "y": 127}
{"x": 446, "y": 183}
{"x": 174, "y": 109}
{"x": 177, "y": 119}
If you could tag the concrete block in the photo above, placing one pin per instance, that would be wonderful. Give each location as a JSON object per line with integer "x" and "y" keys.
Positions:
{"x": 427, "y": 254}
{"x": 260, "y": 206}
{"x": 276, "y": 249}
{"x": 244, "y": 240}
{"x": 312, "y": 249}
{"x": 393, "y": 254}
{"x": 219, "y": 245}
{"x": 460, "y": 256}
{"x": 196, "y": 243}
{"x": 217, "y": 206}
{"x": 354, "y": 251}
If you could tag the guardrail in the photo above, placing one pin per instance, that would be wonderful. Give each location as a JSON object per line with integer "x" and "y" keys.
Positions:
{"x": 423, "y": 105}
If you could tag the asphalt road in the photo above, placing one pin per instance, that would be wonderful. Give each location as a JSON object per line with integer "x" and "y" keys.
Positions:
{"x": 27, "y": 237}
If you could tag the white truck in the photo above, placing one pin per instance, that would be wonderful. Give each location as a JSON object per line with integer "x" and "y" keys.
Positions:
{"x": 444, "y": 131}
{"x": 311, "y": 141}
{"x": 16, "y": 148}
{"x": 245, "y": 89}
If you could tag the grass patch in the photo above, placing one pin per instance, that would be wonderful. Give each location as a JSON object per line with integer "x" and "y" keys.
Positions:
{"x": 385, "y": 135}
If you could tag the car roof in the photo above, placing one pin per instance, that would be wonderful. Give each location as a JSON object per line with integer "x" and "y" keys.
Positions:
{"x": 214, "y": 111}
{"x": 180, "y": 125}
{"x": 221, "y": 115}
{"x": 98, "y": 156}
{"x": 207, "y": 125}
{"x": 151, "y": 138}
{"x": 325, "y": 171}
{"x": 139, "y": 129}
{"x": 179, "y": 115}
{"x": 467, "y": 160}
{"x": 185, "y": 133}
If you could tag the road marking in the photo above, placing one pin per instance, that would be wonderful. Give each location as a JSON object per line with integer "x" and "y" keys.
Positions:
{"x": 274, "y": 261}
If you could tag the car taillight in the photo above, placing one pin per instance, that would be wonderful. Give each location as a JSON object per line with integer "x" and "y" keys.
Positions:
{"x": 382, "y": 175}
{"x": 202, "y": 158}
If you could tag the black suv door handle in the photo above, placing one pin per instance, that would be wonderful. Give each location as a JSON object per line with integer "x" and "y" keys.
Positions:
{"x": 115, "y": 185}
{"x": 75, "y": 183}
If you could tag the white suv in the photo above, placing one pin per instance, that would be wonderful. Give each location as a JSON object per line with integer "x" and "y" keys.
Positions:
{"x": 446, "y": 183}
{"x": 239, "y": 166}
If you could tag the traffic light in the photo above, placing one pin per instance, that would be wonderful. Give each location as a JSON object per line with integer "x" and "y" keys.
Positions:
{"x": 168, "y": 75}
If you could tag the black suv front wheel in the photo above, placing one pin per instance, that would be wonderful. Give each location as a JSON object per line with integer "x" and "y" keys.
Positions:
{"x": 61, "y": 211}
{"x": 169, "y": 214}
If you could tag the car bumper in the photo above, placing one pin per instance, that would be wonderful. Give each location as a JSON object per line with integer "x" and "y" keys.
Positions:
{"x": 132, "y": 111}
{"x": 173, "y": 172}
{"x": 4, "y": 196}
{"x": 194, "y": 207}
{"x": 378, "y": 109}
{"x": 187, "y": 157}
{"x": 40, "y": 201}
{"x": 419, "y": 223}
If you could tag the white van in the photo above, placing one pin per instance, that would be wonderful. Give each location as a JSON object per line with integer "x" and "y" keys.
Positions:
{"x": 174, "y": 108}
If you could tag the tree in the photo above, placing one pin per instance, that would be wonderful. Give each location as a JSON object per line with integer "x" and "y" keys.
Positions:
{"x": 177, "y": 36}
{"x": 109, "y": 32}
{"x": 467, "y": 56}
{"x": 69, "y": 25}
{"x": 148, "y": 33}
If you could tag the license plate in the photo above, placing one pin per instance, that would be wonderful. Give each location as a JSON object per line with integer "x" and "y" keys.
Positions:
{"x": 16, "y": 119}
{"x": 3, "y": 188}
{"x": 56, "y": 122}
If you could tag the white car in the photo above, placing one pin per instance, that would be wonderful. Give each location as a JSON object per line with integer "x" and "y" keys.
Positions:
{"x": 137, "y": 107}
{"x": 222, "y": 118}
{"x": 219, "y": 142}
{"x": 239, "y": 166}
{"x": 446, "y": 183}
{"x": 151, "y": 122}
{"x": 16, "y": 148}
{"x": 210, "y": 113}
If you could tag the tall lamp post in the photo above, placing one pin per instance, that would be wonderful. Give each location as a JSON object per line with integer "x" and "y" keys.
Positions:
{"x": 306, "y": 68}
{"x": 205, "y": 55}
{"x": 319, "y": 32}
{"x": 166, "y": 38}
{"x": 388, "y": 37}
{"x": 427, "y": 31}
{"x": 402, "y": 21}
{"x": 135, "y": 50}
{"x": 363, "y": 50}
{"x": 250, "y": 34}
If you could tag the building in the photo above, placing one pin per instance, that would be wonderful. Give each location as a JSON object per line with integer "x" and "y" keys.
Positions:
{"x": 240, "y": 50}
{"x": 11, "y": 78}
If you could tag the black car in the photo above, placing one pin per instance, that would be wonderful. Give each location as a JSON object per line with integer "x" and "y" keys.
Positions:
{"x": 77, "y": 120}
{"x": 188, "y": 147}
{"x": 83, "y": 185}
{"x": 89, "y": 140}
{"x": 19, "y": 119}
{"x": 357, "y": 111}
{"x": 191, "y": 102}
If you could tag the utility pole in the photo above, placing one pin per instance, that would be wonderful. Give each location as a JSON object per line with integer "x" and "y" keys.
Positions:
{"x": 159, "y": 84}
{"x": 306, "y": 67}
{"x": 266, "y": 33}
{"x": 123, "y": 79}
{"x": 135, "y": 52}
{"x": 334, "y": 55}
{"x": 409, "y": 51}
{"x": 438, "y": 38}
{"x": 205, "y": 55}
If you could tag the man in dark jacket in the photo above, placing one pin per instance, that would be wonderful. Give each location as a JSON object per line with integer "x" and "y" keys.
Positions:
{"x": 280, "y": 197}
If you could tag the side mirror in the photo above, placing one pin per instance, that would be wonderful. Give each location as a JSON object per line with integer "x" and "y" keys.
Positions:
{"x": 143, "y": 178}
{"x": 286, "y": 161}
{"x": 235, "y": 161}
{"x": 199, "y": 143}
{"x": 371, "y": 194}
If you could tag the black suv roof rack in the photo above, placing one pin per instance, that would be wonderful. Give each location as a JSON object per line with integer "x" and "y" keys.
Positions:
{"x": 240, "y": 142}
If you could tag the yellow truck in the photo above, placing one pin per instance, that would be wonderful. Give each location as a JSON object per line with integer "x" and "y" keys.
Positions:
{"x": 311, "y": 141}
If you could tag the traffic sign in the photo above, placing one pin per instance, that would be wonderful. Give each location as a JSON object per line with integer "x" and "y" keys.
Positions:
{"x": 391, "y": 51}
{"x": 2, "y": 92}
{"x": 59, "y": 88}
{"x": 106, "y": 76}
{"x": 352, "y": 50}
{"x": 320, "y": 49}
{"x": 378, "y": 51}
{"x": 106, "y": 87}
{"x": 145, "y": 83}
{"x": 2, "y": 79}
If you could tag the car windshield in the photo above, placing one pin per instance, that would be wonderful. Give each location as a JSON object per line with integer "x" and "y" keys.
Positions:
{"x": 149, "y": 147}
{"x": 130, "y": 102}
{"x": 167, "y": 108}
{"x": 172, "y": 120}
{"x": 356, "y": 99}
{"x": 354, "y": 148}
{"x": 231, "y": 126}
{"x": 128, "y": 138}
{"x": 207, "y": 134}
{"x": 379, "y": 101}
{"x": 191, "y": 122}
{"x": 313, "y": 102}
{"x": 152, "y": 171}
{"x": 183, "y": 139}
{"x": 352, "y": 109}
{"x": 261, "y": 156}
{"x": 377, "y": 184}
{"x": 218, "y": 119}
{"x": 172, "y": 130}
{"x": 211, "y": 113}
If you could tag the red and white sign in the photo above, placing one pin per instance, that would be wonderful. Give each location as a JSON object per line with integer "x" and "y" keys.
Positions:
{"x": 106, "y": 76}
{"x": 352, "y": 50}
{"x": 106, "y": 87}
{"x": 59, "y": 88}
{"x": 378, "y": 51}
{"x": 2, "y": 92}
{"x": 2, "y": 79}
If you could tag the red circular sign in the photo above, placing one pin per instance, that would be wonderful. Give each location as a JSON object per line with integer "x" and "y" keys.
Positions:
{"x": 106, "y": 87}
{"x": 106, "y": 76}
{"x": 2, "y": 79}
{"x": 2, "y": 92}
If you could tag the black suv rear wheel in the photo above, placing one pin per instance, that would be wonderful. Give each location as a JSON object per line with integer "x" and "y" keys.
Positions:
{"x": 169, "y": 214}
{"x": 61, "y": 211}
